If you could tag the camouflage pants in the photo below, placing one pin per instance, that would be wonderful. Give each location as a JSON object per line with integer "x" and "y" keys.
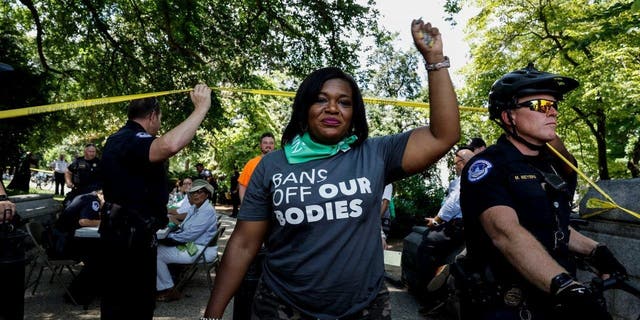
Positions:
{"x": 268, "y": 306}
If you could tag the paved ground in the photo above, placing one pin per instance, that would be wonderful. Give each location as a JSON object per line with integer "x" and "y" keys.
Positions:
{"x": 47, "y": 302}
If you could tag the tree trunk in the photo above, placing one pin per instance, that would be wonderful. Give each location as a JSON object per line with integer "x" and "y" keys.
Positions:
{"x": 599, "y": 131}
{"x": 601, "y": 141}
{"x": 632, "y": 164}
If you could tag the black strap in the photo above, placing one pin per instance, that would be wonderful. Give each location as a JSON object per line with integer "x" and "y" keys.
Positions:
{"x": 513, "y": 133}
{"x": 170, "y": 242}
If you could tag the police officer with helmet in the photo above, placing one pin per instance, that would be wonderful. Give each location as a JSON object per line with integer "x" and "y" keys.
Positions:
{"x": 136, "y": 194}
{"x": 516, "y": 200}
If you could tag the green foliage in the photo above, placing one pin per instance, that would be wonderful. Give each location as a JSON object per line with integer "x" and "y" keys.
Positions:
{"x": 416, "y": 198}
{"x": 94, "y": 49}
{"x": 595, "y": 42}
{"x": 452, "y": 7}
{"x": 419, "y": 196}
{"x": 23, "y": 86}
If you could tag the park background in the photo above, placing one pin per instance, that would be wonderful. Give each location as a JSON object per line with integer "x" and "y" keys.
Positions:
{"x": 64, "y": 51}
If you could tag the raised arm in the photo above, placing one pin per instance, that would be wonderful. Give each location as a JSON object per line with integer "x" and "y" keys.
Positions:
{"x": 245, "y": 241}
{"x": 177, "y": 138}
{"x": 428, "y": 144}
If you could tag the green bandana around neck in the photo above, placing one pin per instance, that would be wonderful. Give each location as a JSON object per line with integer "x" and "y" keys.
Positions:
{"x": 303, "y": 149}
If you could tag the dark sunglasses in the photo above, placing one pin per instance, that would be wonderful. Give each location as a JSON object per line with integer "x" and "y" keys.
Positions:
{"x": 540, "y": 105}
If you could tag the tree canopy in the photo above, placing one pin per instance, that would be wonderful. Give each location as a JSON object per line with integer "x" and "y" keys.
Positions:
{"x": 89, "y": 49}
{"x": 595, "y": 42}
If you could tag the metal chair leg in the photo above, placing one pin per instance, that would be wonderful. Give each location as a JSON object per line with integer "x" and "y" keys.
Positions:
{"x": 27, "y": 281}
{"x": 75, "y": 303}
{"x": 37, "y": 281}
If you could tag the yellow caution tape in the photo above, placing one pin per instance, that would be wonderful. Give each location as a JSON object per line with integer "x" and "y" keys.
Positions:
{"x": 41, "y": 170}
{"x": 289, "y": 94}
{"x": 594, "y": 203}
{"x": 13, "y": 113}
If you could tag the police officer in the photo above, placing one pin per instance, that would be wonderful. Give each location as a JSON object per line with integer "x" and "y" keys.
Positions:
{"x": 83, "y": 211}
{"x": 516, "y": 200}
{"x": 135, "y": 189}
{"x": 83, "y": 174}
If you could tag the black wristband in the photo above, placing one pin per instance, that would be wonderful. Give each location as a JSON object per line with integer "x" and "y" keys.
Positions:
{"x": 4, "y": 197}
{"x": 560, "y": 281}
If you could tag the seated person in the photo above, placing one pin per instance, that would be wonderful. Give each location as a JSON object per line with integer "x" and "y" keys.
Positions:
{"x": 82, "y": 211}
{"x": 191, "y": 237}
{"x": 179, "y": 193}
{"x": 450, "y": 209}
{"x": 175, "y": 194}
{"x": 445, "y": 235}
{"x": 477, "y": 145}
{"x": 178, "y": 210}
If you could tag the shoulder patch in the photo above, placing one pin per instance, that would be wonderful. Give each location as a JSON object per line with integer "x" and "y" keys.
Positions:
{"x": 478, "y": 170}
{"x": 143, "y": 135}
{"x": 95, "y": 205}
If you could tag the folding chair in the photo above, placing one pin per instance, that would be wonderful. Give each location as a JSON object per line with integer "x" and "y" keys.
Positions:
{"x": 202, "y": 262}
{"x": 41, "y": 259}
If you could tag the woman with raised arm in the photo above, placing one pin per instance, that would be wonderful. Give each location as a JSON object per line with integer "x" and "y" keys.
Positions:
{"x": 316, "y": 203}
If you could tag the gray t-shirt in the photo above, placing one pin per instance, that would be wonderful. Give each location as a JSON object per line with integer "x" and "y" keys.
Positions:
{"x": 324, "y": 254}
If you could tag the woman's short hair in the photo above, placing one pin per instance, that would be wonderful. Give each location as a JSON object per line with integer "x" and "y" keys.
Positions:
{"x": 307, "y": 95}
{"x": 141, "y": 108}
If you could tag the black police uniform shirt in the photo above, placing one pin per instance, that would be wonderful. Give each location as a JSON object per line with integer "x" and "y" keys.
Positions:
{"x": 84, "y": 206}
{"x": 130, "y": 179}
{"x": 86, "y": 174}
{"x": 502, "y": 176}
